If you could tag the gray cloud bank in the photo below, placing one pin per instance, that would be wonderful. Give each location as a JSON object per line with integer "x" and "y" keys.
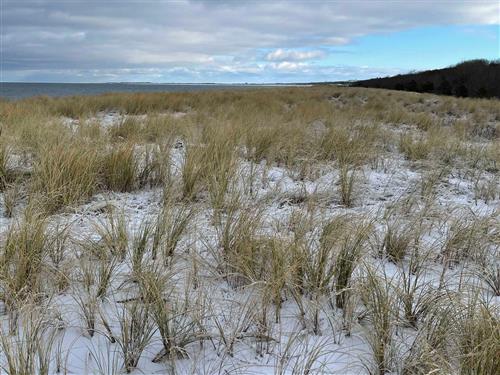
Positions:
{"x": 108, "y": 40}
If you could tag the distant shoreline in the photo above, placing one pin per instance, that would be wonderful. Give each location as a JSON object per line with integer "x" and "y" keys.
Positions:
{"x": 166, "y": 83}
{"x": 22, "y": 90}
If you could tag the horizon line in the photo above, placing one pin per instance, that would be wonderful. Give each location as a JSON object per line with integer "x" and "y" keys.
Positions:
{"x": 184, "y": 83}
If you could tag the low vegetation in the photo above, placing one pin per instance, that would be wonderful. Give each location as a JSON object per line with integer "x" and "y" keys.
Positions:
{"x": 282, "y": 230}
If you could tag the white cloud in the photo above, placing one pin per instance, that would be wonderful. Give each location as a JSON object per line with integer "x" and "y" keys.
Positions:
{"x": 292, "y": 55}
{"x": 336, "y": 41}
{"x": 288, "y": 66}
{"x": 56, "y": 36}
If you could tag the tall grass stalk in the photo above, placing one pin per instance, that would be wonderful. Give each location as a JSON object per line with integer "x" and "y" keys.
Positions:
{"x": 30, "y": 349}
{"x": 64, "y": 175}
{"x": 136, "y": 332}
{"x": 119, "y": 168}
{"x": 378, "y": 298}
{"x": 23, "y": 261}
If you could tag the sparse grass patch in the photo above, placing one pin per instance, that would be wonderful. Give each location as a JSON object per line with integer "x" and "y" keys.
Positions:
{"x": 193, "y": 171}
{"x": 398, "y": 240}
{"x": 220, "y": 164}
{"x": 378, "y": 298}
{"x": 23, "y": 261}
{"x": 489, "y": 274}
{"x": 414, "y": 149}
{"x": 486, "y": 188}
{"x": 240, "y": 232}
{"x": 424, "y": 121}
{"x": 30, "y": 350}
{"x": 64, "y": 175}
{"x": 127, "y": 129}
{"x": 11, "y": 197}
{"x": 172, "y": 222}
{"x": 90, "y": 129}
{"x": 259, "y": 142}
{"x": 349, "y": 144}
{"x": 431, "y": 350}
{"x": 114, "y": 235}
{"x": 347, "y": 183}
{"x": 5, "y": 173}
{"x": 136, "y": 332}
{"x": 178, "y": 318}
{"x": 466, "y": 238}
{"x": 119, "y": 168}
{"x": 238, "y": 243}
{"x": 158, "y": 128}
{"x": 154, "y": 168}
{"x": 479, "y": 339}
{"x": 352, "y": 246}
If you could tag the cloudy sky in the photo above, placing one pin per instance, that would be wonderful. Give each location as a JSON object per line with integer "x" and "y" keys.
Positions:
{"x": 239, "y": 41}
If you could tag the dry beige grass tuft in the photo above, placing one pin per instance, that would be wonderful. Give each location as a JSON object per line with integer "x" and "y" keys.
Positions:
{"x": 210, "y": 232}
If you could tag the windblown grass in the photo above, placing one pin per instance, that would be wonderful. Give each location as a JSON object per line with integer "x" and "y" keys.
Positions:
{"x": 196, "y": 232}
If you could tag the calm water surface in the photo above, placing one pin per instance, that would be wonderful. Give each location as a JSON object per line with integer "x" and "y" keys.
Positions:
{"x": 12, "y": 90}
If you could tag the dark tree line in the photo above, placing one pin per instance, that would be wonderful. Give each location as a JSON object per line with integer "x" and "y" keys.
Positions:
{"x": 474, "y": 78}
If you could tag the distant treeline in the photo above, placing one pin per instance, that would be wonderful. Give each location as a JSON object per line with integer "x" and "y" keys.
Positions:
{"x": 474, "y": 78}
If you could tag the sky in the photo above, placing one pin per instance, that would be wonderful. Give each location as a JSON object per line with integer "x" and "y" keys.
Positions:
{"x": 239, "y": 41}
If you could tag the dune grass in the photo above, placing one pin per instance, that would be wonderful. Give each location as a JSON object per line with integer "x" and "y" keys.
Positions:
{"x": 283, "y": 225}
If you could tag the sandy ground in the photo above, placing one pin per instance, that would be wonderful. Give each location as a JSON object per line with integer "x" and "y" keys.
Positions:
{"x": 384, "y": 186}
